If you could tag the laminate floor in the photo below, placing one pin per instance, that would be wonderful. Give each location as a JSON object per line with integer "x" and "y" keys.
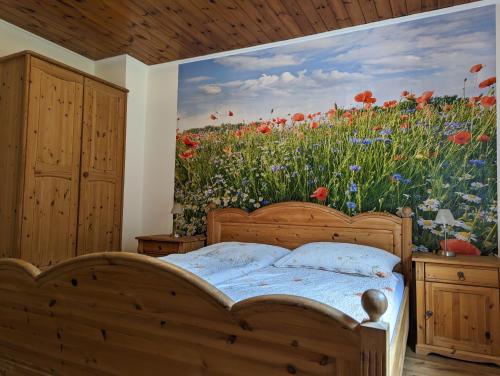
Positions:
{"x": 435, "y": 365}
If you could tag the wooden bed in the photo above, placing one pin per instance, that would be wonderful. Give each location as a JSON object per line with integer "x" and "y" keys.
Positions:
{"x": 129, "y": 314}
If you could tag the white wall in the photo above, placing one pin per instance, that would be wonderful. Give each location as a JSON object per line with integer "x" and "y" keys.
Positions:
{"x": 160, "y": 148}
{"x": 14, "y": 39}
{"x": 130, "y": 73}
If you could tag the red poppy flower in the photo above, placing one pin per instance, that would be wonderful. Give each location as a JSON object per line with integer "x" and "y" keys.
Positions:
{"x": 405, "y": 93}
{"x": 213, "y": 117}
{"x": 488, "y": 101}
{"x": 404, "y": 117}
{"x": 264, "y": 128}
{"x": 377, "y": 128}
{"x": 460, "y": 246}
{"x": 238, "y": 133}
{"x": 390, "y": 104}
{"x": 365, "y": 97}
{"x": 404, "y": 126}
{"x": 187, "y": 155}
{"x": 310, "y": 116}
{"x": 460, "y": 138}
{"x": 488, "y": 82}
{"x": 320, "y": 194}
{"x": 314, "y": 125}
{"x": 447, "y": 107}
{"x": 347, "y": 114}
{"x": 298, "y": 117}
{"x": 425, "y": 97}
{"x": 230, "y": 113}
{"x": 483, "y": 138}
{"x": 281, "y": 121}
{"x": 476, "y": 68}
{"x": 189, "y": 143}
{"x": 331, "y": 112}
{"x": 367, "y": 106}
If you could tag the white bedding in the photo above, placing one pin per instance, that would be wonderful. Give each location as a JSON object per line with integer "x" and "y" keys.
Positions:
{"x": 222, "y": 261}
{"x": 341, "y": 291}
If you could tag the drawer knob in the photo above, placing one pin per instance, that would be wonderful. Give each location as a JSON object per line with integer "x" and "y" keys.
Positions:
{"x": 461, "y": 276}
{"x": 487, "y": 335}
{"x": 428, "y": 314}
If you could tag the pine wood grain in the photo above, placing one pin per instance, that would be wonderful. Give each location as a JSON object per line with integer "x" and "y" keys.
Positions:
{"x": 118, "y": 313}
{"x": 156, "y": 31}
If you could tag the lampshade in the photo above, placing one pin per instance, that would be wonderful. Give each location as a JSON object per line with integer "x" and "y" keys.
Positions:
{"x": 445, "y": 217}
{"x": 177, "y": 208}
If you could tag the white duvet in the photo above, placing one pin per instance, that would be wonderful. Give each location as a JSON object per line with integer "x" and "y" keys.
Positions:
{"x": 341, "y": 291}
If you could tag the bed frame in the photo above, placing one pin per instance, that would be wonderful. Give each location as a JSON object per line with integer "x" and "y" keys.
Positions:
{"x": 129, "y": 314}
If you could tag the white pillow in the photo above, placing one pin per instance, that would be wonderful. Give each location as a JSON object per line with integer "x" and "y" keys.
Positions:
{"x": 342, "y": 258}
{"x": 222, "y": 261}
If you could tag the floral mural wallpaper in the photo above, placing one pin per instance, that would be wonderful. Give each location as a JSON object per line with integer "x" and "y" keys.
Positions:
{"x": 375, "y": 119}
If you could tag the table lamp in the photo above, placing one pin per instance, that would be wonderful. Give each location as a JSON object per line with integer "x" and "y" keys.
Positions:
{"x": 445, "y": 217}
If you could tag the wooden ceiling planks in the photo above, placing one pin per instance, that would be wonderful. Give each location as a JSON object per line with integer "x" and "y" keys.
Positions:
{"x": 157, "y": 31}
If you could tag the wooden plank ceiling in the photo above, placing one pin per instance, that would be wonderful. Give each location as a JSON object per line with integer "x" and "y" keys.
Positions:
{"x": 157, "y": 31}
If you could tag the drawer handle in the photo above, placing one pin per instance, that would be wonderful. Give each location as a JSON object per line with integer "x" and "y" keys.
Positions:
{"x": 487, "y": 335}
{"x": 461, "y": 276}
{"x": 428, "y": 314}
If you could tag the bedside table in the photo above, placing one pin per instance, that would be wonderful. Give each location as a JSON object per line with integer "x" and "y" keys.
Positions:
{"x": 162, "y": 245}
{"x": 457, "y": 307}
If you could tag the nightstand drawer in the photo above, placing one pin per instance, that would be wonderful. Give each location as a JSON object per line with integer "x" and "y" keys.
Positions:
{"x": 465, "y": 275}
{"x": 153, "y": 248}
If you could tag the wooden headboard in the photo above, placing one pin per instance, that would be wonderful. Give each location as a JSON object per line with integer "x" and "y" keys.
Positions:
{"x": 291, "y": 224}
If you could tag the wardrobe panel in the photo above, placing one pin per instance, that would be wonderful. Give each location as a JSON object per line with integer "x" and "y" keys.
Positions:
{"x": 50, "y": 204}
{"x": 100, "y": 214}
{"x": 12, "y": 88}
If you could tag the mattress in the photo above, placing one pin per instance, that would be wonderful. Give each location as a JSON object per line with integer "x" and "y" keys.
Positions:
{"x": 341, "y": 291}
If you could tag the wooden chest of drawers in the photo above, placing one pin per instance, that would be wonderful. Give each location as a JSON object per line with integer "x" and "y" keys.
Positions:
{"x": 162, "y": 245}
{"x": 457, "y": 307}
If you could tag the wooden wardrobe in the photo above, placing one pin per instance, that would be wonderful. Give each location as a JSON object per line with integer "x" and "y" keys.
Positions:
{"x": 61, "y": 161}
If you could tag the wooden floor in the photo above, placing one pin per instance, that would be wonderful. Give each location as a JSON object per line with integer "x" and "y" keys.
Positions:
{"x": 435, "y": 365}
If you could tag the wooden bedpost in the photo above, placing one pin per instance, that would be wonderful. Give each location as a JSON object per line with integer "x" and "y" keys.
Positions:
{"x": 406, "y": 243}
{"x": 374, "y": 335}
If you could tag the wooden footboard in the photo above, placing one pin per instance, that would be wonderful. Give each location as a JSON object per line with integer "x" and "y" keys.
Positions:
{"x": 127, "y": 314}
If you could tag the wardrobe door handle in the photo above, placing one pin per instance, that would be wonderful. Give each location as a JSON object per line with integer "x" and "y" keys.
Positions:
{"x": 85, "y": 174}
{"x": 461, "y": 276}
{"x": 428, "y": 314}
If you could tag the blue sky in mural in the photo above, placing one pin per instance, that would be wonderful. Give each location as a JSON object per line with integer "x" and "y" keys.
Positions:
{"x": 434, "y": 53}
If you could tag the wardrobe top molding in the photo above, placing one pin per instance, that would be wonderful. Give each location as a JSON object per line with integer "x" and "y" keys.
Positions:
{"x": 62, "y": 65}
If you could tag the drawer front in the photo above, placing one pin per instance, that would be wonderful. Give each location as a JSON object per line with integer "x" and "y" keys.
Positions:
{"x": 465, "y": 275}
{"x": 157, "y": 249}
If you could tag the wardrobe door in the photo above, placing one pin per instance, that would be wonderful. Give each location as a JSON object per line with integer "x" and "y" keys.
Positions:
{"x": 101, "y": 186}
{"x": 50, "y": 200}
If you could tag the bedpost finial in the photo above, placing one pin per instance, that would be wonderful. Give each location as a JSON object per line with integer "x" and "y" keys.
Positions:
{"x": 374, "y": 303}
{"x": 407, "y": 212}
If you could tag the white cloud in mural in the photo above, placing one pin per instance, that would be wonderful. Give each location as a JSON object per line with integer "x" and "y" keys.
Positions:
{"x": 198, "y": 79}
{"x": 210, "y": 89}
{"x": 258, "y": 63}
{"x": 434, "y": 53}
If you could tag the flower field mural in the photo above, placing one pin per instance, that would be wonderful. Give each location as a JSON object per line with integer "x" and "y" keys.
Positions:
{"x": 377, "y": 119}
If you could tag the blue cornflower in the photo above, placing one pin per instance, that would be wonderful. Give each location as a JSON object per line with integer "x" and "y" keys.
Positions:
{"x": 367, "y": 141}
{"x": 354, "y": 140}
{"x": 477, "y": 162}
{"x": 264, "y": 202}
{"x": 351, "y": 205}
{"x": 397, "y": 177}
{"x": 353, "y": 188}
{"x": 385, "y": 132}
{"x": 354, "y": 168}
{"x": 275, "y": 168}
{"x": 406, "y": 181}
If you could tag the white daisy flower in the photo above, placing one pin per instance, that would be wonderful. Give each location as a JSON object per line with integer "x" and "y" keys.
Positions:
{"x": 462, "y": 224}
{"x": 420, "y": 248}
{"x": 464, "y": 235}
{"x": 426, "y": 224}
{"x": 477, "y": 185}
{"x": 470, "y": 197}
{"x": 431, "y": 204}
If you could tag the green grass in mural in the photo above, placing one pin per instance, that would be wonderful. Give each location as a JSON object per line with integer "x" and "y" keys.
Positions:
{"x": 439, "y": 154}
